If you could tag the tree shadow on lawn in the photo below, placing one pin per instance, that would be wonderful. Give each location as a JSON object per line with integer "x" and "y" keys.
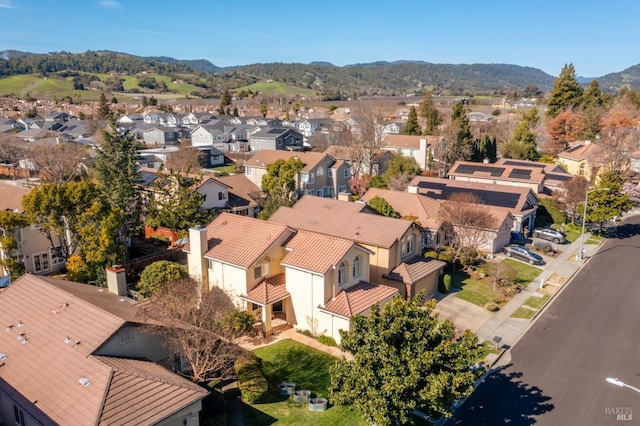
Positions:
{"x": 503, "y": 399}
{"x": 457, "y": 280}
{"x": 300, "y": 366}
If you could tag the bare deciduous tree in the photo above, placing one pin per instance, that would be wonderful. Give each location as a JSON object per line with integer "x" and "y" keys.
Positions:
{"x": 572, "y": 194}
{"x": 187, "y": 158}
{"x": 368, "y": 132}
{"x": 502, "y": 274}
{"x": 465, "y": 220}
{"x": 11, "y": 149}
{"x": 194, "y": 323}
{"x": 59, "y": 164}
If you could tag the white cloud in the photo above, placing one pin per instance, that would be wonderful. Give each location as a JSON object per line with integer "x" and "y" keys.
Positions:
{"x": 6, "y": 4}
{"x": 109, "y": 4}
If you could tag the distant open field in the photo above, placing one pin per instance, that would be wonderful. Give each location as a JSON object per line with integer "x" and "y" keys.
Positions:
{"x": 277, "y": 88}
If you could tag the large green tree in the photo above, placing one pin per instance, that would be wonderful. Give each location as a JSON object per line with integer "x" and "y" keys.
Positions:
{"x": 523, "y": 145}
{"x": 404, "y": 358}
{"x": 382, "y": 206}
{"x": 566, "y": 94}
{"x": 607, "y": 200}
{"x": 485, "y": 148}
{"x": 158, "y": 274}
{"x": 10, "y": 224}
{"x": 104, "y": 109}
{"x": 117, "y": 176}
{"x": 280, "y": 184}
{"x": 176, "y": 204}
{"x": 428, "y": 110}
{"x": 458, "y": 140}
{"x": 412, "y": 127}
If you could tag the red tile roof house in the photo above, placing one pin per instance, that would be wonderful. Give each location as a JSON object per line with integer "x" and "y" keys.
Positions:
{"x": 310, "y": 280}
{"x": 34, "y": 248}
{"x": 76, "y": 356}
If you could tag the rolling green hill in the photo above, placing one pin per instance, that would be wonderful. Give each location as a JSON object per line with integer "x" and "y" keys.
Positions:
{"x": 277, "y": 88}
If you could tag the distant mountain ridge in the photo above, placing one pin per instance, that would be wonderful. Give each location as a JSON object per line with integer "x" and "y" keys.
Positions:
{"x": 380, "y": 77}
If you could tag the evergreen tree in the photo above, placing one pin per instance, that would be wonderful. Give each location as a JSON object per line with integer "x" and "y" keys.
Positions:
{"x": 458, "y": 137}
{"x": 286, "y": 114}
{"x": 104, "y": 111}
{"x": 610, "y": 201}
{"x": 412, "y": 127}
{"x": 485, "y": 148}
{"x": 592, "y": 98}
{"x": 523, "y": 144}
{"x": 234, "y": 113}
{"x": 428, "y": 110}
{"x": 566, "y": 93}
{"x": 224, "y": 100}
{"x": 116, "y": 173}
{"x": 264, "y": 109}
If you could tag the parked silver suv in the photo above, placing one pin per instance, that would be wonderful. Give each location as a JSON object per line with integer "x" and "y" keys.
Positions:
{"x": 549, "y": 234}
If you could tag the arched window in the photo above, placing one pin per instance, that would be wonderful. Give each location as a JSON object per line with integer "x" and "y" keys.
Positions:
{"x": 356, "y": 267}
{"x": 342, "y": 273}
{"x": 582, "y": 169}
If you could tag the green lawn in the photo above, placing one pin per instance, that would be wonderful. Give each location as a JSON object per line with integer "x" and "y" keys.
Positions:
{"x": 488, "y": 348}
{"x": 477, "y": 292}
{"x": 309, "y": 369}
{"x": 525, "y": 273}
{"x": 523, "y": 313}
{"x": 227, "y": 168}
{"x": 594, "y": 239}
{"x": 536, "y": 302}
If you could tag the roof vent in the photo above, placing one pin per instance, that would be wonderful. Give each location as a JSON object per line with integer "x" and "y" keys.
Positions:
{"x": 64, "y": 305}
{"x": 3, "y": 356}
{"x": 55, "y": 312}
{"x": 9, "y": 327}
{"x": 21, "y": 336}
{"x": 24, "y": 341}
{"x": 84, "y": 381}
{"x": 76, "y": 344}
{"x": 67, "y": 340}
{"x": 122, "y": 299}
{"x": 20, "y": 324}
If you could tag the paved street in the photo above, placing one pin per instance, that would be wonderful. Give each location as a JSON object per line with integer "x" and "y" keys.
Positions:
{"x": 558, "y": 368}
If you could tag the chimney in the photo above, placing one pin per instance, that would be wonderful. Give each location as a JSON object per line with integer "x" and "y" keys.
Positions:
{"x": 344, "y": 196}
{"x": 412, "y": 189}
{"x": 197, "y": 249}
{"x": 587, "y": 142}
{"x": 485, "y": 160}
{"x": 117, "y": 280}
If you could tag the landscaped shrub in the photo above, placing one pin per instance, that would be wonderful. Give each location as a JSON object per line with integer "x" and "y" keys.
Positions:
{"x": 445, "y": 256}
{"x": 327, "y": 340}
{"x": 468, "y": 256}
{"x": 307, "y": 333}
{"x": 158, "y": 274}
{"x": 542, "y": 246}
{"x": 492, "y": 307}
{"x": 238, "y": 320}
{"x": 431, "y": 254}
{"x": 552, "y": 210}
{"x": 251, "y": 382}
{"x": 445, "y": 284}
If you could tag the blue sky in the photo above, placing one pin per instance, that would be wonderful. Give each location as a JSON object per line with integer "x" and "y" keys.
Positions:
{"x": 597, "y": 36}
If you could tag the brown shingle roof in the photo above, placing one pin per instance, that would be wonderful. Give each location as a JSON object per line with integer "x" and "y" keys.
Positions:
{"x": 315, "y": 252}
{"x": 358, "y": 298}
{"x": 270, "y": 290}
{"x": 342, "y": 219}
{"x": 414, "y": 269}
{"x": 264, "y": 157}
{"x": 11, "y": 198}
{"x": 47, "y": 369}
{"x": 241, "y": 240}
{"x": 405, "y": 204}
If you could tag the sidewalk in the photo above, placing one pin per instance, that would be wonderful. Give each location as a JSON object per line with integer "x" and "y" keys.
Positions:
{"x": 564, "y": 267}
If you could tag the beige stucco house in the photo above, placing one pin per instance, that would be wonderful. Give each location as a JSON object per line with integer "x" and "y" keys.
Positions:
{"x": 309, "y": 280}
{"x": 585, "y": 159}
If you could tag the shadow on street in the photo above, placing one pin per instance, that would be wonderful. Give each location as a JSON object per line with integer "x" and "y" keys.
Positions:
{"x": 627, "y": 230}
{"x": 522, "y": 404}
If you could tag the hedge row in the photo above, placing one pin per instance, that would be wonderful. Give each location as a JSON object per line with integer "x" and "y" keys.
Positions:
{"x": 251, "y": 382}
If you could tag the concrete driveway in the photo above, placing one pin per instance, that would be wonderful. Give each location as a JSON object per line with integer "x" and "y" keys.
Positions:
{"x": 464, "y": 315}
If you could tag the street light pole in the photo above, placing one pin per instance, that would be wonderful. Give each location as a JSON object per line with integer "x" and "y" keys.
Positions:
{"x": 621, "y": 384}
{"x": 584, "y": 219}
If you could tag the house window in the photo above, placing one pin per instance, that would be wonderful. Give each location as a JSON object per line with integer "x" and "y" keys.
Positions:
{"x": 319, "y": 192}
{"x": 247, "y": 171}
{"x": 342, "y": 273}
{"x": 346, "y": 173}
{"x": 18, "y": 415}
{"x": 125, "y": 336}
{"x": 41, "y": 262}
{"x": 330, "y": 173}
{"x": 342, "y": 188}
{"x": 320, "y": 171}
{"x": 582, "y": 169}
{"x": 311, "y": 178}
{"x": 261, "y": 270}
{"x": 210, "y": 264}
{"x": 410, "y": 244}
{"x": 222, "y": 195}
{"x": 356, "y": 267}
{"x": 279, "y": 142}
{"x": 277, "y": 307}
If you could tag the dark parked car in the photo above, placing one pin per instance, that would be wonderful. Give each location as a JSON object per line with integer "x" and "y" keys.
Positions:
{"x": 522, "y": 253}
{"x": 549, "y": 234}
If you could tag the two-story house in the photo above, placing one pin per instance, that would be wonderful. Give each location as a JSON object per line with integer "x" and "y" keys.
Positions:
{"x": 193, "y": 119}
{"x": 363, "y": 161}
{"x": 309, "y": 280}
{"x": 310, "y": 126}
{"x": 34, "y": 248}
{"x": 161, "y": 136}
{"x": 395, "y": 244}
{"x": 584, "y": 159}
{"x": 417, "y": 147}
{"x": 277, "y": 139}
{"x": 76, "y": 354}
{"x": 321, "y": 175}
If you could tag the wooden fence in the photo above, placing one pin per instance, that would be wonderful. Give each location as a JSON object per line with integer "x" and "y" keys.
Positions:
{"x": 134, "y": 267}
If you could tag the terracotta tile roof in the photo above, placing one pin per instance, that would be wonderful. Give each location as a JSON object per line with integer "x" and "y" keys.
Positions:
{"x": 515, "y": 198}
{"x": 204, "y": 178}
{"x": 12, "y": 195}
{"x": 47, "y": 369}
{"x": 407, "y": 141}
{"x": 270, "y": 290}
{"x": 494, "y": 217}
{"x": 342, "y": 219}
{"x": 241, "y": 190}
{"x": 358, "y": 298}
{"x": 143, "y": 392}
{"x": 316, "y": 252}
{"x": 264, "y": 157}
{"x": 405, "y": 204}
{"x": 586, "y": 151}
{"x": 414, "y": 269}
{"x": 241, "y": 240}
